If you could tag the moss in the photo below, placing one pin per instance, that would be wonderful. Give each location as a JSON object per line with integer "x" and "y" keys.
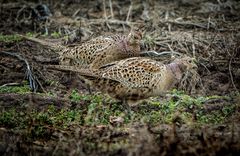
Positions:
{"x": 99, "y": 113}
{"x": 15, "y": 89}
{"x": 100, "y": 108}
{"x": 178, "y": 107}
{"x": 187, "y": 108}
{"x": 10, "y": 38}
{"x": 8, "y": 118}
{"x": 40, "y": 123}
{"x": 56, "y": 34}
{"x": 13, "y": 119}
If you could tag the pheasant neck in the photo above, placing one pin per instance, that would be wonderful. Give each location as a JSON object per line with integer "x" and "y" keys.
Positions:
{"x": 175, "y": 70}
{"x": 123, "y": 44}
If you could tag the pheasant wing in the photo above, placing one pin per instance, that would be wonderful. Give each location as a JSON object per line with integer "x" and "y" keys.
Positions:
{"x": 87, "y": 52}
{"x": 133, "y": 72}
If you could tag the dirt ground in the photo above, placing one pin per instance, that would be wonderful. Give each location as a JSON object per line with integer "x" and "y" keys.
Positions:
{"x": 206, "y": 30}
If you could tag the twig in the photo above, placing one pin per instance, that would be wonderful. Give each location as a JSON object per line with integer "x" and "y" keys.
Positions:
{"x": 208, "y": 24}
{"x": 40, "y": 84}
{"x": 105, "y": 14}
{"x": 156, "y": 54}
{"x": 111, "y": 9}
{"x": 3, "y": 67}
{"x": 129, "y": 12}
{"x": 170, "y": 49}
{"x": 76, "y": 12}
{"x": 10, "y": 84}
{"x": 104, "y": 10}
{"x": 205, "y": 67}
{"x": 19, "y": 13}
{"x": 176, "y": 21}
{"x": 194, "y": 50}
{"x": 166, "y": 18}
{"x": 32, "y": 82}
{"x": 226, "y": 61}
{"x": 230, "y": 73}
{"x": 160, "y": 43}
{"x": 112, "y": 21}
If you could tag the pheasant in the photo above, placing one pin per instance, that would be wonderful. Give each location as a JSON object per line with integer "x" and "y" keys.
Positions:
{"x": 137, "y": 78}
{"x": 98, "y": 51}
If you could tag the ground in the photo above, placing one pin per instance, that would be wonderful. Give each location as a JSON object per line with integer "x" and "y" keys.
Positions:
{"x": 59, "y": 116}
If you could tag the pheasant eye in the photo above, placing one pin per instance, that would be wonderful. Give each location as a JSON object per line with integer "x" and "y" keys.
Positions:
{"x": 136, "y": 36}
{"x": 189, "y": 61}
{"x": 140, "y": 36}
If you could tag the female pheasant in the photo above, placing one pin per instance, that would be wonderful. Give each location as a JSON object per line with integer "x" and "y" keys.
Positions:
{"x": 98, "y": 51}
{"x": 137, "y": 78}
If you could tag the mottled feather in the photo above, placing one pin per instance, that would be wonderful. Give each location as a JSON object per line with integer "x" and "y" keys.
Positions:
{"x": 97, "y": 51}
{"x": 137, "y": 78}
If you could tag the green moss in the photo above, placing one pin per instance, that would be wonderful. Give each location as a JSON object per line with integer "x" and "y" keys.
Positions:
{"x": 40, "y": 123}
{"x": 8, "y": 118}
{"x": 213, "y": 118}
{"x": 178, "y": 107}
{"x": 228, "y": 110}
{"x": 10, "y": 38}
{"x": 75, "y": 96}
{"x": 187, "y": 108}
{"x": 13, "y": 119}
{"x": 154, "y": 117}
{"x": 148, "y": 40}
{"x": 114, "y": 146}
{"x": 58, "y": 118}
{"x": 99, "y": 113}
{"x": 31, "y": 34}
{"x": 56, "y": 34}
{"x": 99, "y": 109}
{"x": 15, "y": 89}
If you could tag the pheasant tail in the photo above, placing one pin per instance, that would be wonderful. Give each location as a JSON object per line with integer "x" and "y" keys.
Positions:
{"x": 50, "y": 44}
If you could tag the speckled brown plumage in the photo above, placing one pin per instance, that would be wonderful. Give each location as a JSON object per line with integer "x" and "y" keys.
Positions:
{"x": 137, "y": 78}
{"x": 102, "y": 50}
{"x": 97, "y": 51}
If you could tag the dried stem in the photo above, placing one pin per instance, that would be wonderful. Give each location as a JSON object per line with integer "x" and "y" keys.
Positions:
{"x": 111, "y": 9}
{"x": 31, "y": 78}
{"x": 129, "y": 12}
{"x": 105, "y": 14}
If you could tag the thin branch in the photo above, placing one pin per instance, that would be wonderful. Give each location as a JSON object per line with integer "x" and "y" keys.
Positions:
{"x": 194, "y": 50}
{"x": 31, "y": 78}
{"x": 10, "y": 84}
{"x": 104, "y": 10}
{"x": 129, "y": 12}
{"x": 170, "y": 49}
{"x": 112, "y": 21}
{"x": 76, "y": 12}
{"x": 230, "y": 73}
{"x": 205, "y": 67}
{"x": 177, "y": 21}
{"x": 111, "y": 9}
{"x": 157, "y": 54}
{"x": 105, "y": 14}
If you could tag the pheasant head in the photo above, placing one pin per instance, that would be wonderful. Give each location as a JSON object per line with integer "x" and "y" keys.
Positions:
{"x": 180, "y": 65}
{"x": 131, "y": 43}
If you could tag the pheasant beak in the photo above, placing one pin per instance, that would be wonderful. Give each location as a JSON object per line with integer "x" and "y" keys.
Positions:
{"x": 129, "y": 36}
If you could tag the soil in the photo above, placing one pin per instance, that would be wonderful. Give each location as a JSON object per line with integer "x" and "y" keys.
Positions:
{"x": 206, "y": 30}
